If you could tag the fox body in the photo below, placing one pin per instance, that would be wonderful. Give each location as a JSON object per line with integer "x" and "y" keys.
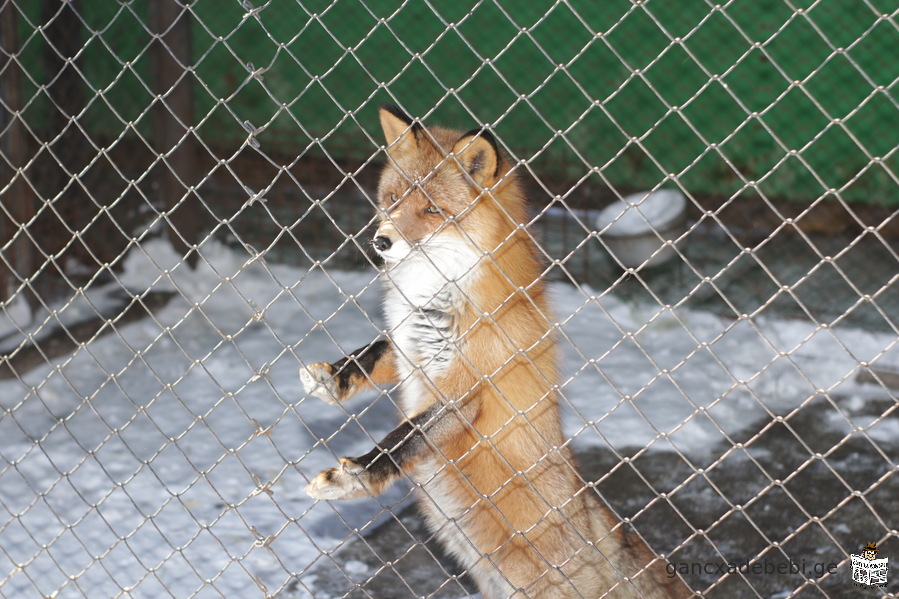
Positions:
{"x": 471, "y": 347}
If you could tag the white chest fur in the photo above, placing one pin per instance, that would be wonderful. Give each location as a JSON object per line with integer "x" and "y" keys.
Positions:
{"x": 423, "y": 292}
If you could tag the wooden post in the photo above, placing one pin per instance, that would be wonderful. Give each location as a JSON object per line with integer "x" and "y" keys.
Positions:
{"x": 18, "y": 258}
{"x": 173, "y": 116}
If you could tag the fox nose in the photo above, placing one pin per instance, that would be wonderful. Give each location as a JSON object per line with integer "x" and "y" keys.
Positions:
{"x": 381, "y": 243}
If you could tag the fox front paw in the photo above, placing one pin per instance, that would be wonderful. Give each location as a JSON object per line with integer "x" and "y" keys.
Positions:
{"x": 342, "y": 482}
{"x": 318, "y": 381}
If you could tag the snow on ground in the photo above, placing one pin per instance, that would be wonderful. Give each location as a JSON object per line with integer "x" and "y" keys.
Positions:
{"x": 18, "y": 322}
{"x": 169, "y": 459}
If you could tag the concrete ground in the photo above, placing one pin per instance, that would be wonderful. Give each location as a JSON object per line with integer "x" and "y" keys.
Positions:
{"x": 773, "y": 491}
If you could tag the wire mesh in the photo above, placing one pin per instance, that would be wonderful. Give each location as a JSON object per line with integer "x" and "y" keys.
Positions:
{"x": 188, "y": 198}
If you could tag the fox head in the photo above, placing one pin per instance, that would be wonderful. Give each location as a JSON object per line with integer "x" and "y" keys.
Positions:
{"x": 444, "y": 196}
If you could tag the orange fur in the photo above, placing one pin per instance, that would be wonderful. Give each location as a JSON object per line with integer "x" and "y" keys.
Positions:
{"x": 500, "y": 488}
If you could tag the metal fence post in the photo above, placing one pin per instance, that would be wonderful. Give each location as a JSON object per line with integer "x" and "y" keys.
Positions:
{"x": 173, "y": 117}
{"x": 18, "y": 202}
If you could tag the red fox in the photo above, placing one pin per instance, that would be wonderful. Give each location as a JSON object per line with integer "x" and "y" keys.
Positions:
{"x": 471, "y": 345}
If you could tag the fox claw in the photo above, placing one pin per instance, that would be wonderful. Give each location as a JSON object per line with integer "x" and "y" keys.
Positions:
{"x": 318, "y": 382}
{"x": 342, "y": 482}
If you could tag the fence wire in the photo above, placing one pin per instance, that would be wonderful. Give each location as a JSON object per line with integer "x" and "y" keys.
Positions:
{"x": 187, "y": 204}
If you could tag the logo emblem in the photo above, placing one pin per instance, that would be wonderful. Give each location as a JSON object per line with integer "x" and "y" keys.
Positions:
{"x": 867, "y": 570}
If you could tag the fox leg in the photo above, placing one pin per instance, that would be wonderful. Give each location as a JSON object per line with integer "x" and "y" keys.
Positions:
{"x": 361, "y": 370}
{"x": 399, "y": 451}
{"x": 378, "y": 468}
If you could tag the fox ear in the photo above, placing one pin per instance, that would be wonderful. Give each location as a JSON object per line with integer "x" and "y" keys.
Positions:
{"x": 401, "y": 132}
{"x": 478, "y": 154}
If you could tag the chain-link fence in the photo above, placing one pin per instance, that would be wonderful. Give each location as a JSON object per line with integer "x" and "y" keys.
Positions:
{"x": 189, "y": 192}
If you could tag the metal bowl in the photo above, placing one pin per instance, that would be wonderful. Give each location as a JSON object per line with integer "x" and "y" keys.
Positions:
{"x": 635, "y": 230}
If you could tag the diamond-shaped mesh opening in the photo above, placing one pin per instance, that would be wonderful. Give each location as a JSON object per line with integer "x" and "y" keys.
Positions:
{"x": 190, "y": 192}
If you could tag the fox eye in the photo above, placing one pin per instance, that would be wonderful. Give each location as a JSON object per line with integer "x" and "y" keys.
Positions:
{"x": 432, "y": 210}
{"x": 392, "y": 198}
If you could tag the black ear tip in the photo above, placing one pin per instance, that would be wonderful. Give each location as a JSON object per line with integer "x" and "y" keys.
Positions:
{"x": 486, "y": 136}
{"x": 396, "y": 112}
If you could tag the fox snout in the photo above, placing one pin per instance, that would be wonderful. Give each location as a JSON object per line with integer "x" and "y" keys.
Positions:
{"x": 381, "y": 243}
{"x": 390, "y": 244}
